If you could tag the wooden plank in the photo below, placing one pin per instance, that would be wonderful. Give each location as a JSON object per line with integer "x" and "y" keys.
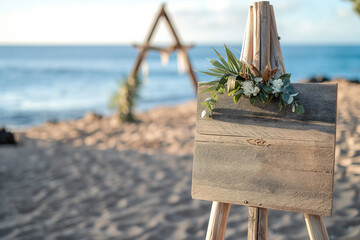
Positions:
{"x": 264, "y": 34}
{"x": 218, "y": 220}
{"x": 244, "y": 119}
{"x": 257, "y": 156}
{"x": 316, "y": 227}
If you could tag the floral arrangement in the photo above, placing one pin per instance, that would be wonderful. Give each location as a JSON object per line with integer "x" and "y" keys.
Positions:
{"x": 125, "y": 97}
{"x": 239, "y": 79}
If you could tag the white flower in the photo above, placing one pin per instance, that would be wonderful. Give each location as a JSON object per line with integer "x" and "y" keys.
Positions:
{"x": 277, "y": 84}
{"x": 248, "y": 87}
{"x": 203, "y": 113}
{"x": 256, "y": 91}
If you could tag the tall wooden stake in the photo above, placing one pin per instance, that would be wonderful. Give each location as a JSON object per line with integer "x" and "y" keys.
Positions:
{"x": 316, "y": 227}
{"x": 217, "y": 222}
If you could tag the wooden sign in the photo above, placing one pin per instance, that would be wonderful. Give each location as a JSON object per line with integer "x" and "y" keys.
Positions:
{"x": 255, "y": 155}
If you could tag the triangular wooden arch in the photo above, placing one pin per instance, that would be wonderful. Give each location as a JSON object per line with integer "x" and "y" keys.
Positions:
{"x": 178, "y": 46}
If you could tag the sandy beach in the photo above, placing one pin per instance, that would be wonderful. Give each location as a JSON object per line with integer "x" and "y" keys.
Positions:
{"x": 94, "y": 178}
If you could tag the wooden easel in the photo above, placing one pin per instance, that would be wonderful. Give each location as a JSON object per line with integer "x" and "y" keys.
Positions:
{"x": 261, "y": 47}
{"x": 178, "y": 46}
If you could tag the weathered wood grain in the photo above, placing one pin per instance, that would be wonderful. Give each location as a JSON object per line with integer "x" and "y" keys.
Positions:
{"x": 217, "y": 221}
{"x": 316, "y": 227}
{"x": 258, "y": 156}
{"x": 257, "y": 223}
{"x": 264, "y": 8}
{"x": 262, "y": 224}
{"x": 247, "y": 46}
{"x": 276, "y": 57}
{"x": 253, "y": 223}
{"x": 256, "y": 35}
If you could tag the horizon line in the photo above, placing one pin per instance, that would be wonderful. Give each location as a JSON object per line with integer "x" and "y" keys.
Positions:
{"x": 162, "y": 44}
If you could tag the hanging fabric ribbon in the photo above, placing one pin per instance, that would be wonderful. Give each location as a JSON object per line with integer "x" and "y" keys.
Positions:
{"x": 145, "y": 71}
{"x": 181, "y": 62}
{"x": 164, "y": 55}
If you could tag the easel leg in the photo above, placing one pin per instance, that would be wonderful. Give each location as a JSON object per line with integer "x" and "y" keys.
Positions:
{"x": 258, "y": 221}
{"x": 218, "y": 220}
{"x": 316, "y": 227}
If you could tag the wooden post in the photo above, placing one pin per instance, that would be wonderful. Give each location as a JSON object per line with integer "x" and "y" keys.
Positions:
{"x": 264, "y": 13}
{"x": 256, "y": 35}
{"x": 258, "y": 217}
{"x": 316, "y": 227}
{"x": 218, "y": 220}
{"x": 276, "y": 58}
{"x": 247, "y": 46}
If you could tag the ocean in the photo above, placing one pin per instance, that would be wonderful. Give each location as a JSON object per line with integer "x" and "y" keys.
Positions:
{"x": 42, "y": 83}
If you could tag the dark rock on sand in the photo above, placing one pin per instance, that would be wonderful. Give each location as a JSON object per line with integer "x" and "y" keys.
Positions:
{"x": 6, "y": 137}
{"x": 317, "y": 79}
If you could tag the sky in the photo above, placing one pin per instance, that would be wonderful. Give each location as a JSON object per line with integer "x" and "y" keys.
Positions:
{"x": 199, "y": 22}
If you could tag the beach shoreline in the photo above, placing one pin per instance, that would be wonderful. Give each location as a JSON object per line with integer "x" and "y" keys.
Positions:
{"x": 96, "y": 178}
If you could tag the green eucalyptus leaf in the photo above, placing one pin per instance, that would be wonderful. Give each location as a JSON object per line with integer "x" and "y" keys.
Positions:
{"x": 290, "y": 100}
{"x": 237, "y": 96}
{"x": 252, "y": 100}
{"x": 265, "y": 88}
{"x": 285, "y": 75}
{"x": 211, "y": 107}
{"x": 290, "y": 88}
{"x": 224, "y": 79}
{"x": 280, "y": 105}
{"x": 221, "y": 90}
{"x": 299, "y": 109}
{"x": 205, "y": 104}
{"x": 285, "y": 96}
{"x": 234, "y": 91}
{"x": 264, "y": 96}
{"x": 215, "y": 96}
{"x": 260, "y": 100}
{"x": 286, "y": 79}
